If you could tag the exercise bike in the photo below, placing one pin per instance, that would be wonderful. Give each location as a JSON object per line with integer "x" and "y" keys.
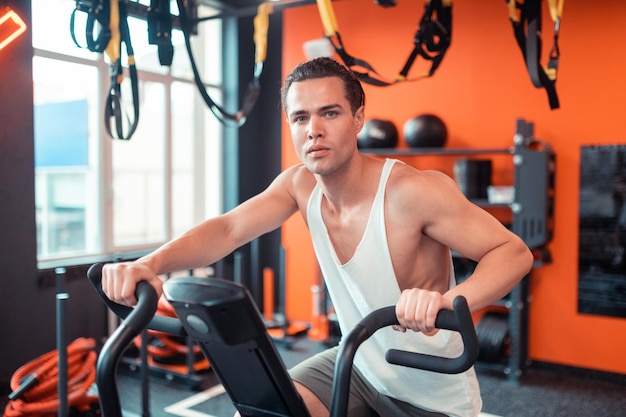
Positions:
{"x": 222, "y": 318}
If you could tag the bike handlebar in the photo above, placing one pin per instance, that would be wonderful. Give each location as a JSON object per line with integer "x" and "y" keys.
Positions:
{"x": 459, "y": 320}
{"x": 164, "y": 324}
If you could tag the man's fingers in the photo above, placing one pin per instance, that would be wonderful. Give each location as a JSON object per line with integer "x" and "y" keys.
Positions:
{"x": 417, "y": 310}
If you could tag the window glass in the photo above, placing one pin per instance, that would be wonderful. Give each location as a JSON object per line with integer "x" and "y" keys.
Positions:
{"x": 181, "y": 67}
{"x": 196, "y": 160}
{"x": 66, "y": 162}
{"x": 213, "y": 161}
{"x": 51, "y": 28}
{"x": 139, "y": 174}
{"x": 146, "y": 55}
{"x": 205, "y": 47}
{"x": 186, "y": 209}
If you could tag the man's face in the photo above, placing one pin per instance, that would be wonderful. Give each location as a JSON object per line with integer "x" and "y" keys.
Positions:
{"x": 322, "y": 126}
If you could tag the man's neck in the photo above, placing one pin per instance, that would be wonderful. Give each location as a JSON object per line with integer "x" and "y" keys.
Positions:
{"x": 350, "y": 186}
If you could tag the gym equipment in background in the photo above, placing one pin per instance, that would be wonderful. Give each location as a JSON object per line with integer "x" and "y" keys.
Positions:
{"x": 111, "y": 19}
{"x": 378, "y": 133}
{"x": 473, "y": 177}
{"x": 59, "y": 382}
{"x": 526, "y": 19}
{"x": 223, "y": 319}
{"x": 35, "y": 384}
{"x": 171, "y": 352}
{"x": 425, "y": 131}
{"x": 430, "y": 42}
{"x": 493, "y": 336}
{"x": 279, "y": 327}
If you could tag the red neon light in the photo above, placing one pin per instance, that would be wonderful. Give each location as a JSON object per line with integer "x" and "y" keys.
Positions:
{"x": 11, "y": 26}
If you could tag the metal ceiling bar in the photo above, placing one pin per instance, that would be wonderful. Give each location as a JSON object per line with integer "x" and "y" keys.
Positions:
{"x": 140, "y": 11}
{"x": 252, "y": 10}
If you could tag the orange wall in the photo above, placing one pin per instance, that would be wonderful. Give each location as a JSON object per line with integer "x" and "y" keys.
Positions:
{"x": 480, "y": 90}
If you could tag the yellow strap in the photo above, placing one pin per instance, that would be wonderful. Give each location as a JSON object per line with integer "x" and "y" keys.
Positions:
{"x": 556, "y": 9}
{"x": 113, "y": 48}
{"x": 513, "y": 11}
{"x": 551, "y": 73}
{"x": 327, "y": 14}
{"x": 261, "y": 24}
{"x": 555, "y": 6}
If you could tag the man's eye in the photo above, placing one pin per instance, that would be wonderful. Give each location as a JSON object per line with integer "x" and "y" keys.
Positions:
{"x": 331, "y": 113}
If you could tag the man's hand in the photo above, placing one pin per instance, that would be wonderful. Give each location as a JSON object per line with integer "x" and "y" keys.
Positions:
{"x": 119, "y": 281}
{"x": 417, "y": 310}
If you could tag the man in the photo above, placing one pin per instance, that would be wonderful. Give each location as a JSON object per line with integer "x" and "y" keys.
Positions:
{"x": 382, "y": 233}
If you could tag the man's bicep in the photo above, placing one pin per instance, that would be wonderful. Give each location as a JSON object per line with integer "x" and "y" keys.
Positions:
{"x": 478, "y": 232}
{"x": 461, "y": 225}
{"x": 261, "y": 214}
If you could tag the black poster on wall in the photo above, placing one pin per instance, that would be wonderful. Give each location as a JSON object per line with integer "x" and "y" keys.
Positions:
{"x": 602, "y": 231}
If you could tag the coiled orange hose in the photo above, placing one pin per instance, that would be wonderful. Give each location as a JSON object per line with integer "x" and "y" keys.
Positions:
{"x": 40, "y": 399}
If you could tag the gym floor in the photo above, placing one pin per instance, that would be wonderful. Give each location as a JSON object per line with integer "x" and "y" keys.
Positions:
{"x": 543, "y": 391}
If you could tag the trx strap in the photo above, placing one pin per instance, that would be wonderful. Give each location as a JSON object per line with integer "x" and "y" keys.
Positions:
{"x": 526, "y": 20}
{"x": 115, "y": 118}
{"x": 112, "y": 17}
{"x": 431, "y": 41}
{"x": 160, "y": 30}
{"x": 261, "y": 24}
{"x": 97, "y": 11}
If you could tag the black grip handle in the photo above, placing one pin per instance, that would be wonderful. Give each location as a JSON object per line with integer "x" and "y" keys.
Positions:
{"x": 459, "y": 320}
{"x": 160, "y": 323}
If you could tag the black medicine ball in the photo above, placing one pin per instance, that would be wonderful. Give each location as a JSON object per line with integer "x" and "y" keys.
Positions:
{"x": 425, "y": 131}
{"x": 378, "y": 133}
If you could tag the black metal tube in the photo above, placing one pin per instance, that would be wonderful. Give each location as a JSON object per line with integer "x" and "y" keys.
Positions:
{"x": 277, "y": 6}
{"x": 116, "y": 344}
{"x": 145, "y": 375}
{"x": 343, "y": 370}
{"x": 61, "y": 297}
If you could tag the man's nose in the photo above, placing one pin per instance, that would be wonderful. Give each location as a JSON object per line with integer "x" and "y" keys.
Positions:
{"x": 314, "y": 128}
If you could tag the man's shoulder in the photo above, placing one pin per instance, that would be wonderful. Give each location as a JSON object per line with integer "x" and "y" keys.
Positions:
{"x": 298, "y": 179}
{"x": 408, "y": 180}
{"x": 298, "y": 173}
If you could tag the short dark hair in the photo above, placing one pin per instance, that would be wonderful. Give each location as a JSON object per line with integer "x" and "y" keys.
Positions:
{"x": 326, "y": 67}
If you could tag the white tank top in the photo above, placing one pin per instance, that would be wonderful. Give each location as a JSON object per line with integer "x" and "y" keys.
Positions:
{"x": 366, "y": 282}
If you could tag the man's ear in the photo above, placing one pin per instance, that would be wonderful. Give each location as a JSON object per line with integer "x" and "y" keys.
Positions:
{"x": 359, "y": 118}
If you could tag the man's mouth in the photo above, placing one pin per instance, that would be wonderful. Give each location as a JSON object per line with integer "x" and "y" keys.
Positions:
{"x": 314, "y": 149}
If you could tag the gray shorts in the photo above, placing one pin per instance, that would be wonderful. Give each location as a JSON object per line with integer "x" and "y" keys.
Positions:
{"x": 316, "y": 373}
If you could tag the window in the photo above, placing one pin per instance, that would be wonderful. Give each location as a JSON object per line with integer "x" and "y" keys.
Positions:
{"x": 98, "y": 196}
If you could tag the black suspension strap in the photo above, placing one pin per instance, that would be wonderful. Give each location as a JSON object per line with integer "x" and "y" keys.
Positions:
{"x": 526, "y": 19}
{"x": 115, "y": 116}
{"x": 111, "y": 17}
{"x": 261, "y": 24}
{"x": 160, "y": 30}
{"x": 431, "y": 42}
{"x": 432, "y": 38}
{"x": 97, "y": 11}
